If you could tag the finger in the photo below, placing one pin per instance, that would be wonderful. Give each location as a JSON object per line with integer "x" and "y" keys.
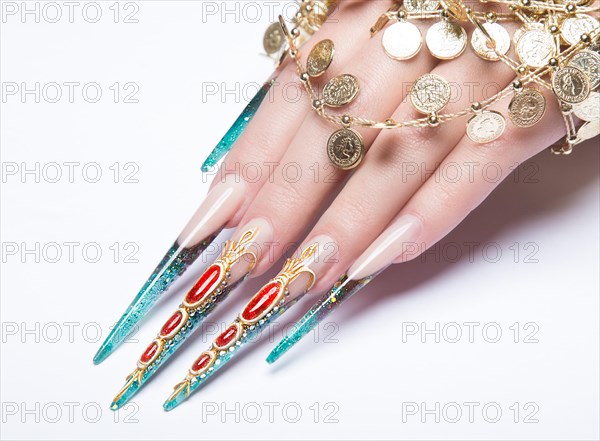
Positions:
{"x": 306, "y": 178}
{"x": 441, "y": 204}
{"x": 268, "y": 135}
{"x": 396, "y": 165}
{"x": 264, "y": 141}
{"x": 433, "y": 211}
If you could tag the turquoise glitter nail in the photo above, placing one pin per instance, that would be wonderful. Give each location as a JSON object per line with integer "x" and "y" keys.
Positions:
{"x": 238, "y": 127}
{"x": 272, "y": 300}
{"x": 175, "y": 262}
{"x": 140, "y": 376}
{"x": 210, "y": 289}
{"x": 343, "y": 289}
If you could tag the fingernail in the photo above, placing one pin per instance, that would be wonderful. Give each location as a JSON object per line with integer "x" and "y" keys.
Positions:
{"x": 210, "y": 289}
{"x": 238, "y": 127}
{"x": 262, "y": 243}
{"x": 343, "y": 289}
{"x": 319, "y": 263}
{"x": 220, "y": 205}
{"x": 272, "y": 300}
{"x": 388, "y": 247}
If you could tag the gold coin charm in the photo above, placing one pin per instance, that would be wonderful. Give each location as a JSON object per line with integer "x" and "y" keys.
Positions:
{"x": 486, "y": 126}
{"x": 570, "y": 85}
{"x": 402, "y": 40}
{"x": 456, "y": 8}
{"x": 526, "y": 27}
{"x": 416, "y": 6}
{"x": 341, "y": 90}
{"x": 446, "y": 40}
{"x": 589, "y": 63}
{"x": 315, "y": 14}
{"x": 536, "y": 47}
{"x": 589, "y": 130}
{"x": 482, "y": 46}
{"x": 273, "y": 40}
{"x": 430, "y": 93}
{"x": 320, "y": 58}
{"x": 527, "y": 107}
{"x": 572, "y": 28}
{"x": 346, "y": 149}
{"x": 588, "y": 109}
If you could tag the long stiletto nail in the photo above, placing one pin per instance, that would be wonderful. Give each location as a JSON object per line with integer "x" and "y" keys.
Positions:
{"x": 380, "y": 255}
{"x": 272, "y": 300}
{"x": 219, "y": 206}
{"x": 210, "y": 289}
{"x": 238, "y": 127}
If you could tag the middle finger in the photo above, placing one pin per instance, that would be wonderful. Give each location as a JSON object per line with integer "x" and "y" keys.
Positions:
{"x": 305, "y": 176}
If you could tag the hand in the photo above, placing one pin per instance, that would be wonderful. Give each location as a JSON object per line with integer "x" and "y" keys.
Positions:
{"x": 412, "y": 188}
{"x": 427, "y": 180}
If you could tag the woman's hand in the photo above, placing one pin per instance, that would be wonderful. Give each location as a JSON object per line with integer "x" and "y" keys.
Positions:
{"x": 427, "y": 179}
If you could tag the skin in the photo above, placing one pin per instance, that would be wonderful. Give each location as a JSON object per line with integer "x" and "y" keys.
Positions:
{"x": 363, "y": 206}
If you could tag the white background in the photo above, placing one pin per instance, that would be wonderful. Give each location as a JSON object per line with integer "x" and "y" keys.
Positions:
{"x": 363, "y": 376}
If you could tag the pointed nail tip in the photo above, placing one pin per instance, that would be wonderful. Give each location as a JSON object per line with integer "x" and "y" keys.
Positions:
{"x": 100, "y": 356}
{"x": 273, "y": 357}
{"x": 168, "y": 406}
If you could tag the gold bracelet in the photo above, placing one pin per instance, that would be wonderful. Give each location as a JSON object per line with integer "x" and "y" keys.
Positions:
{"x": 557, "y": 46}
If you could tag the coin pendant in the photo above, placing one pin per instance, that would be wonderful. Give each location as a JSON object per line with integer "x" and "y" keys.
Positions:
{"x": 536, "y": 47}
{"x": 446, "y": 40}
{"x": 486, "y": 127}
{"x": 589, "y": 63}
{"x": 588, "y": 109}
{"x": 416, "y": 6}
{"x": 345, "y": 149}
{"x": 482, "y": 46}
{"x": 315, "y": 16}
{"x": 402, "y": 40}
{"x": 430, "y": 93}
{"x": 341, "y": 90}
{"x": 589, "y": 130}
{"x": 570, "y": 85}
{"x": 320, "y": 58}
{"x": 526, "y": 27}
{"x": 572, "y": 28}
{"x": 527, "y": 107}
{"x": 273, "y": 39}
{"x": 456, "y": 8}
